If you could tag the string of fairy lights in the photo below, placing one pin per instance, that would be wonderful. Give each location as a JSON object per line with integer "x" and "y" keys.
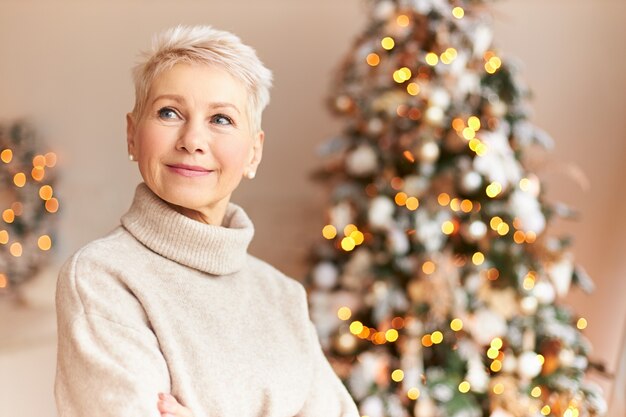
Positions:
{"x": 29, "y": 205}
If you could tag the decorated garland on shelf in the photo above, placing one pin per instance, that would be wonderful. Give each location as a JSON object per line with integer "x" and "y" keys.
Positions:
{"x": 27, "y": 204}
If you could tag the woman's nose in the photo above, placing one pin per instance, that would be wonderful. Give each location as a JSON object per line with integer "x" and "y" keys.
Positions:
{"x": 193, "y": 138}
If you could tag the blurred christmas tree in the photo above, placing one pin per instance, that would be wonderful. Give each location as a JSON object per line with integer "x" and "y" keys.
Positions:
{"x": 435, "y": 291}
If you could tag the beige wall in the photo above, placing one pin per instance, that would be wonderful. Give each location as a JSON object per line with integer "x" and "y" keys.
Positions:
{"x": 65, "y": 65}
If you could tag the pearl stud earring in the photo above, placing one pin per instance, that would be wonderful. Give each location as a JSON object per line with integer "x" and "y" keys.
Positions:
{"x": 131, "y": 157}
{"x": 251, "y": 175}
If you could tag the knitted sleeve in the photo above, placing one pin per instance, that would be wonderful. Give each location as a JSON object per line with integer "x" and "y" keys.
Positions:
{"x": 109, "y": 363}
{"x": 328, "y": 396}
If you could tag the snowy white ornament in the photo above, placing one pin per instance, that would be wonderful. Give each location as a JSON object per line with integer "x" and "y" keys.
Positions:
{"x": 439, "y": 97}
{"x": 325, "y": 275}
{"x": 528, "y": 211}
{"x": 362, "y": 161}
{"x": 486, "y": 325}
{"x": 471, "y": 181}
{"x": 429, "y": 152}
{"x": 561, "y": 273}
{"x": 509, "y": 364}
{"x": 341, "y": 215}
{"x": 373, "y": 407}
{"x": 566, "y": 357}
{"x": 380, "y": 212}
{"x": 398, "y": 241}
{"x": 345, "y": 343}
{"x": 482, "y": 37}
{"x": 477, "y": 375}
{"x": 415, "y": 185}
{"x": 428, "y": 229}
{"x": 529, "y": 305}
{"x": 477, "y": 229}
{"x": 528, "y": 365}
{"x": 375, "y": 126}
{"x": 496, "y": 108}
{"x": 434, "y": 115}
{"x": 544, "y": 292}
{"x": 499, "y": 163}
{"x": 384, "y": 10}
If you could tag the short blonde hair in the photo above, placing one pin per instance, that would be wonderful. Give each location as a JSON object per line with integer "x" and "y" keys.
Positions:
{"x": 209, "y": 46}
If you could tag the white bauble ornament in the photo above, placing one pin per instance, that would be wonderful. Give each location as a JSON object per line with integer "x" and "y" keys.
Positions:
{"x": 509, "y": 363}
{"x": 372, "y": 407}
{"x": 375, "y": 126}
{"x": 398, "y": 241}
{"x": 482, "y": 37}
{"x": 529, "y": 305}
{"x": 471, "y": 181}
{"x": 528, "y": 365}
{"x": 415, "y": 185}
{"x": 477, "y": 375}
{"x": 429, "y": 152}
{"x": 346, "y": 343}
{"x": 499, "y": 163}
{"x": 477, "y": 230}
{"x": 325, "y": 275}
{"x": 527, "y": 209}
{"x": 496, "y": 108}
{"x": 566, "y": 357}
{"x": 384, "y": 10}
{"x": 544, "y": 292}
{"x": 341, "y": 215}
{"x": 561, "y": 273}
{"x": 486, "y": 325}
{"x": 380, "y": 212}
{"x": 439, "y": 97}
{"x": 434, "y": 115}
{"x": 362, "y": 161}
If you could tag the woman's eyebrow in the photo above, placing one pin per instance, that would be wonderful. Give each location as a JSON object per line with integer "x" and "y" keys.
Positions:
{"x": 221, "y": 104}
{"x": 174, "y": 97}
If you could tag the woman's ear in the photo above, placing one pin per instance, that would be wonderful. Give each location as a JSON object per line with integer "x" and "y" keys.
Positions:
{"x": 256, "y": 151}
{"x": 130, "y": 134}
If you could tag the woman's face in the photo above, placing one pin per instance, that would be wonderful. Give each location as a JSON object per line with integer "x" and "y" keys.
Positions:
{"x": 193, "y": 141}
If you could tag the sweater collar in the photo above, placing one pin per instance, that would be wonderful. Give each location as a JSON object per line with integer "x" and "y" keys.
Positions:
{"x": 217, "y": 250}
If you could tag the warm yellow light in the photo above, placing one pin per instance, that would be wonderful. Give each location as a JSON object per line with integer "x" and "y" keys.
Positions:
{"x": 495, "y": 62}
{"x": 329, "y": 231}
{"x": 496, "y": 366}
{"x": 541, "y": 358}
{"x": 19, "y": 179}
{"x": 536, "y": 392}
{"x": 581, "y": 324}
{"x": 496, "y": 343}
{"x": 493, "y": 274}
{"x": 37, "y": 173}
{"x": 489, "y": 68}
{"x": 39, "y": 161}
{"x": 8, "y": 216}
{"x": 408, "y": 155}
{"x": 427, "y": 341}
{"x": 398, "y": 77}
{"x": 455, "y": 204}
{"x": 528, "y": 283}
{"x": 44, "y": 242}
{"x": 397, "y": 375}
{"x": 379, "y": 338}
{"x": 524, "y": 184}
{"x": 412, "y": 203}
{"x": 473, "y": 144}
{"x": 4, "y": 281}
{"x": 364, "y": 333}
{"x": 492, "y": 353}
{"x": 443, "y": 199}
{"x": 356, "y": 327}
{"x": 464, "y": 387}
{"x": 469, "y": 133}
{"x": 349, "y": 229}
{"x": 51, "y": 159}
{"x": 347, "y": 243}
{"x": 466, "y": 206}
{"x": 391, "y": 335}
{"x": 452, "y": 53}
{"x": 372, "y": 59}
{"x": 52, "y": 205}
{"x": 478, "y": 258}
{"x": 495, "y": 222}
{"x": 387, "y": 43}
{"x": 531, "y": 237}
{"x": 413, "y": 393}
{"x": 519, "y": 237}
{"x": 458, "y": 124}
{"x": 458, "y": 12}
{"x": 413, "y": 89}
{"x": 447, "y": 227}
{"x": 456, "y": 324}
{"x": 493, "y": 189}
{"x": 6, "y": 155}
{"x": 503, "y": 229}
{"x": 402, "y": 20}
{"x": 446, "y": 58}
{"x": 436, "y": 337}
{"x": 4, "y": 237}
{"x": 397, "y": 322}
{"x": 474, "y": 123}
{"x": 344, "y": 313}
{"x": 45, "y": 192}
{"x": 546, "y": 410}
{"x": 481, "y": 149}
{"x": 428, "y": 267}
{"x": 498, "y": 388}
{"x": 16, "y": 249}
{"x": 432, "y": 59}
{"x": 401, "y": 198}
{"x": 358, "y": 237}
{"x": 406, "y": 73}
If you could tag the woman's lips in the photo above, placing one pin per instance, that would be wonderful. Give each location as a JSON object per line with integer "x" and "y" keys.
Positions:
{"x": 189, "y": 170}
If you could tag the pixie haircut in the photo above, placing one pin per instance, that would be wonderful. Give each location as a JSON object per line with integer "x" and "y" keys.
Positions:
{"x": 207, "y": 46}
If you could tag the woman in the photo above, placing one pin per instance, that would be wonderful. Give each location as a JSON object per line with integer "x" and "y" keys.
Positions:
{"x": 168, "y": 315}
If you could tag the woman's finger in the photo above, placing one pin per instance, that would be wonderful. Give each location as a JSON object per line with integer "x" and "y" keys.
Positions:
{"x": 170, "y": 407}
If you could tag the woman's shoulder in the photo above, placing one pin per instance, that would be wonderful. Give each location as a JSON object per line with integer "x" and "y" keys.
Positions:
{"x": 272, "y": 278}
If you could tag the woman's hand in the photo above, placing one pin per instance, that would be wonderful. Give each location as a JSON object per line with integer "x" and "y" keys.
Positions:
{"x": 169, "y": 407}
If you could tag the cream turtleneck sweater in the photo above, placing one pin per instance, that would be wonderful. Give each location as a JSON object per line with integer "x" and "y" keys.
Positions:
{"x": 166, "y": 303}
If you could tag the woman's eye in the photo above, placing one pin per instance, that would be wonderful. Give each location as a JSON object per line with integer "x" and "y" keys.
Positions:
{"x": 167, "y": 113}
{"x": 220, "y": 119}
